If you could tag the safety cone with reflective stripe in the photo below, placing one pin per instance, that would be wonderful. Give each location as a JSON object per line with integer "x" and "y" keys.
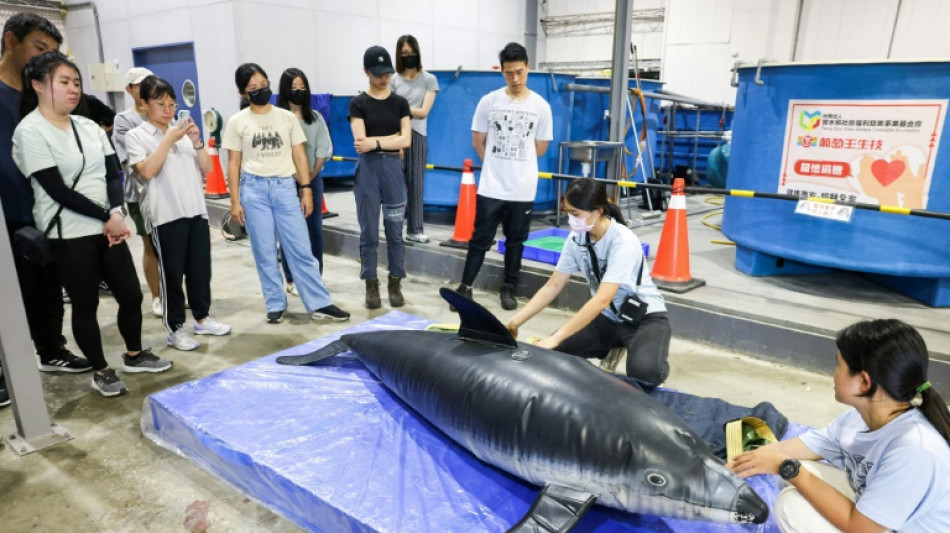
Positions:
{"x": 465, "y": 213}
{"x": 671, "y": 267}
{"x": 215, "y": 186}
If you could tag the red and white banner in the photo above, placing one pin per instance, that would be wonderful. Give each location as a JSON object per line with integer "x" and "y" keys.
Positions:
{"x": 870, "y": 151}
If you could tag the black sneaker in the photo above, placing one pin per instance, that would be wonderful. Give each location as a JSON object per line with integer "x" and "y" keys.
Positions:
{"x": 330, "y": 312}
{"x": 507, "y": 297}
{"x": 465, "y": 291}
{"x": 4, "y": 395}
{"x": 65, "y": 361}
{"x": 108, "y": 384}
{"x": 274, "y": 317}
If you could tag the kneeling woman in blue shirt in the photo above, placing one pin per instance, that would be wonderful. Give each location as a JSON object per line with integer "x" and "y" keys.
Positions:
{"x": 610, "y": 256}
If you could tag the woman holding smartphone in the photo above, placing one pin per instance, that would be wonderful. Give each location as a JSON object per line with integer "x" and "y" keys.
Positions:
{"x": 171, "y": 159}
{"x": 78, "y": 197}
{"x": 265, "y": 151}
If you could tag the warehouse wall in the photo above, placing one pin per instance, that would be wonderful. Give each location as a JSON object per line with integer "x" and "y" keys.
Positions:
{"x": 325, "y": 38}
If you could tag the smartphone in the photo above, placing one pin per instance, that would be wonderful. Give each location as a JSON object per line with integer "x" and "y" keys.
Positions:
{"x": 183, "y": 116}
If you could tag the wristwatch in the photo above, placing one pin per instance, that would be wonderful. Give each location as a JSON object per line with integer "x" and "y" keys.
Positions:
{"x": 199, "y": 145}
{"x": 789, "y": 469}
{"x": 305, "y": 185}
{"x": 379, "y": 147}
{"x": 120, "y": 210}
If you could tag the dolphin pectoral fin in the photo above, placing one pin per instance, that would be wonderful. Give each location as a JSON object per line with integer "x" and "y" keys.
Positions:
{"x": 313, "y": 358}
{"x": 478, "y": 324}
{"x": 556, "y": 509}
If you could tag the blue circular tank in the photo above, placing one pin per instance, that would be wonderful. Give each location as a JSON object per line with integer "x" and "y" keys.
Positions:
{"x": 873, "y": 242}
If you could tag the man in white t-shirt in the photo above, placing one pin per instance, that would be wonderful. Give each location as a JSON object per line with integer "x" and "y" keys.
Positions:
{"x": 511, "y": 128}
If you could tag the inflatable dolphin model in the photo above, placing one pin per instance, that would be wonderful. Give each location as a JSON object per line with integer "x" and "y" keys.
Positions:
{"x": 552, "y": 419}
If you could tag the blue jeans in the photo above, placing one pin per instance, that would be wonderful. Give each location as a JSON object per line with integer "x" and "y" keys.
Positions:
{"x": 272, "y": 210}
{"x": 314, "y": 228}
{"x": 380, "y": 183}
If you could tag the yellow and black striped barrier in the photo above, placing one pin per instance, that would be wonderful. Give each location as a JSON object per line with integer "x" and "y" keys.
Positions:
{"x": 741, "y": 193}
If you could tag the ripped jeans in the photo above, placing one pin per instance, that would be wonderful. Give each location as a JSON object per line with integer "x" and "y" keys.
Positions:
{"x": 379, "y": 183}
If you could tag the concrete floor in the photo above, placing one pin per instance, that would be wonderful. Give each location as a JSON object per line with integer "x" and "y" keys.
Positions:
{"x": 110, "y": 478}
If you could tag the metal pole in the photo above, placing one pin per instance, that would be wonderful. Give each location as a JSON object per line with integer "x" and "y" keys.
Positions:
{"x": 34, "y": 429}
{"x": 619, "y": 75}
{"x": 531, "y": 30}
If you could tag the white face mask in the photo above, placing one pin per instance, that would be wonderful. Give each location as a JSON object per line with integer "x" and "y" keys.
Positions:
{"x": 579, "y": 224}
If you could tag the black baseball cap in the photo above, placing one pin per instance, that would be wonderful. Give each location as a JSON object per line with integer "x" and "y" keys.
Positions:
{"x": 377, "y": 60}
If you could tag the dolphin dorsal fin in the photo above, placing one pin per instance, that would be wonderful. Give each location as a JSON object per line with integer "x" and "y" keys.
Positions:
{"x": 478, "y": 324}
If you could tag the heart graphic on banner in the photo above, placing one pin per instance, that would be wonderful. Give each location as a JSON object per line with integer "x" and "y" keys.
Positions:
{"x": 887, "y": 171}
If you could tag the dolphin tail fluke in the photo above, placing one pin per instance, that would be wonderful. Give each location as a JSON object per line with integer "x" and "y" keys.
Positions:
{"x": 557, "y": 509}
{"x": 313, "y": 358}
{"x": 478, "y": 324}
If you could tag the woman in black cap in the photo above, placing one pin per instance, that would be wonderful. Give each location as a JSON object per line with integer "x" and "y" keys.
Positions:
{"x": 381, "y": 126}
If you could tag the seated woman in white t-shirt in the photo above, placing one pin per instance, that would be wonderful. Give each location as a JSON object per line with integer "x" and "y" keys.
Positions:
{"x": 78, "y": 202}
{"x": 174, "y": 210}
{"x": 889, "y": 455}
{"x": 610, "y": 256}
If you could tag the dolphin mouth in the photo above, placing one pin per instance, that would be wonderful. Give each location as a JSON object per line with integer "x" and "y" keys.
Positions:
{"x": 750, "y": 508}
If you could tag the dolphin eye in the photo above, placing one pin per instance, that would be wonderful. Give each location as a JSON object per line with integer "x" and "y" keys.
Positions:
{"x": 656, "y": 479}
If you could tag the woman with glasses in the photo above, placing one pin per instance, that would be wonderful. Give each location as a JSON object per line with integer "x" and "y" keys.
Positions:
{"x": 171, "y": 159}
{"x": 625, "y": 309}
{"x": 419, "y": 88}
{"x": 265, "y": 152}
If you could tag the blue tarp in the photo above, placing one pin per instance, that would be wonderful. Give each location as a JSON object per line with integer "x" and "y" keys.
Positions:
{"x": 331, "y": 449}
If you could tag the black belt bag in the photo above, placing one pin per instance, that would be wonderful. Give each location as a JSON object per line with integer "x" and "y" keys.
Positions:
{"x": 633, "y": 309}
{"x": 32, "y": 243}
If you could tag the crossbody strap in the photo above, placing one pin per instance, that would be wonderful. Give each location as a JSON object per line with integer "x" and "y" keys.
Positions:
{"x": 595, "y": 266}
{"x": 56, "y": 219}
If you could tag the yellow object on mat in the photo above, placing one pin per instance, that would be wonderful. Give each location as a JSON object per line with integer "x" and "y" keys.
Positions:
{"x": 746, "y": 434}
{"x": 447, "y": 328}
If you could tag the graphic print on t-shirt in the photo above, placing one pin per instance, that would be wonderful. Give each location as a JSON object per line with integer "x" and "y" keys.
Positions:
{"x": 511, "y": 132}
{"x": 267, "y": 141}
{"x": 857, "y": 466}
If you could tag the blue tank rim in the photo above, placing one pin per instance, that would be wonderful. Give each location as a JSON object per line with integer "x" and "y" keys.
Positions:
{"x": 744, "y": 65}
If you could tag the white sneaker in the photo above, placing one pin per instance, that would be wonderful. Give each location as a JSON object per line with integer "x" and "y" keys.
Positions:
{"x": 211, "y": 326}
{"x": 291, "y": 288}
{"x": 417, "y": 237}
{"x": 181, "y": 340}
{"x": 157, "y": 306}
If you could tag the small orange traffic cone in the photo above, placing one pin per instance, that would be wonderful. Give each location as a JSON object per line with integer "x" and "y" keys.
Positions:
{"x": 215, "y": 186}
{"x": 326, "y": 212}
{"x": 465, "y": 213}
{"x": 671, "y": 268}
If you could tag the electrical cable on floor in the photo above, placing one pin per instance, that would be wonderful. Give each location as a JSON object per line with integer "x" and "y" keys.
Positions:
{"x": 716, "y": 200}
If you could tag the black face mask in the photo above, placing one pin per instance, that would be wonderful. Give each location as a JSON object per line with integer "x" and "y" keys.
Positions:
{"x": 410, "y": 61}
{"x": 298, "y": 96}
{"x": 260, "y": 96}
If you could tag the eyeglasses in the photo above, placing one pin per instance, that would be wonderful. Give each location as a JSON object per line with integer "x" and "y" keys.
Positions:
{"x": 166, "y": 107}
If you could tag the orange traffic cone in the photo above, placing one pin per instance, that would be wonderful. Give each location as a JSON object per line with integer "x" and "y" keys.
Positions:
{"x": 326, "y": 212}
{"x": 465, "y": 213}
{"x": 671, "y": 268}
{"x": 215, "y": 186}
